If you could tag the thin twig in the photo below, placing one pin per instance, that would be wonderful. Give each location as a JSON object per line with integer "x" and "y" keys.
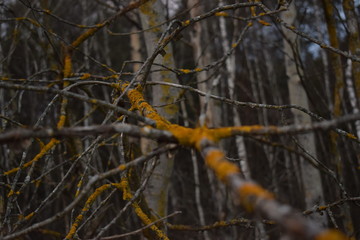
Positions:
{"x": 140, "y": 229}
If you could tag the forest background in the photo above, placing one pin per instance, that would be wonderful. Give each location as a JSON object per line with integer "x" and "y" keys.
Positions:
{"x": 179, "y": 119}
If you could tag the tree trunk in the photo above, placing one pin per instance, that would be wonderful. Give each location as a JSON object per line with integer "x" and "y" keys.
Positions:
{"x": 310, "y": 176}
{"x": 203, "y": 58}
{"x": 152, "y": 14}
{"x": 230, "y": 71}
{"x": 354, "y": 40}
{"x": 335, "y": 61}
{"x": 354, "y": 67}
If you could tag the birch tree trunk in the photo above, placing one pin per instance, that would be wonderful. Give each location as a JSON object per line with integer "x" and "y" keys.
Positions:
{"x": 353, "y": 67}
{"x": 203, "y": 58}
{"x": 230, "y": 71}
{"x": 310, "y": 176}
{"x": 152, "y": 14}
{"x": 354, "y": 40}
{"x": 212, "y": 114}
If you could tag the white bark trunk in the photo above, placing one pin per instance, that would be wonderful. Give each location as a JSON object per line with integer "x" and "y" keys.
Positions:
{"x": 352, "y": 95}
{"x": 152, "y": 14}
{"x": 230, "y": 70}
{"x": 310, "y": 176}
{"x": 203, "y": 58}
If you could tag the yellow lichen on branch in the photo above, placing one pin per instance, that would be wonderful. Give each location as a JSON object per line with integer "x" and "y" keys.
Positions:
{"x": 43, "y": 151}
{"x": 226, "y": 132}
{"x": 185, "y": 136}
{"x": 253, "y": 9}
{"x": 218, "y": 224}
{"x": 147, "y": 9}
{"x": 215, "y": 159}
{"x": 85, "y": 76}
{"x": 29, "y": 216}
{"x": 78, "y": 187}
{"x": 90, "y": 32}
{"x": 331, "y": 235}
{"x": 262, "y": 22}
{"x": 62, "y": 119}
{"x": 85, "y": 209}
{"x": 185, "y": 23}
{"x": 54, "y": 234}
{"x": 127, "y": 195}
{"x": 86, "y": 35}
{"x": 186, "y": 71}
{"x": 66, "y": 72}
{"x": 250, "y": 192}
{"x": 190, "y": 137}
{"x": 221, "y": 14}
{"x": 352, "y": 136}
{"x": 124, "y": 185}
{"x": 32, "y": 21}
{"x": 138, "y": 102}
{"x": 251, "y": 195}
{"x": 67, "y": 65}
{"x": 122, "y": 167}
{"x": 12, "y": 192}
